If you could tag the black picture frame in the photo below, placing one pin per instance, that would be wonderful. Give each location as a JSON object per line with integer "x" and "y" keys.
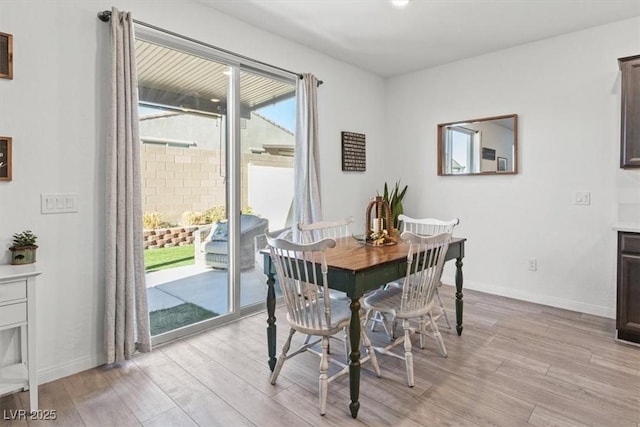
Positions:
{"x": 6, "y": 56}
{"x": 488, "y": 153}
{"x": 5, "y": 158}
{"x": 354, "y": 152}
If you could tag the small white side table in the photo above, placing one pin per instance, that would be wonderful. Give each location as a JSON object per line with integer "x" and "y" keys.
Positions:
{"x": 18, "y": 310}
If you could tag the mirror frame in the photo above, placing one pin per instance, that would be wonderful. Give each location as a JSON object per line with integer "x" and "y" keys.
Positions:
{"x": 485, "y": 119}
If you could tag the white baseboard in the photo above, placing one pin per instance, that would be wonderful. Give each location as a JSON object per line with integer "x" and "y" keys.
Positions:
{"x": 578, "y": 306}
{"x": 69, "y": 368}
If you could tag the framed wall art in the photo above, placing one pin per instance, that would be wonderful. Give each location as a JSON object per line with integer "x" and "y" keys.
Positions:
{"x": 5, "y": 158}
{"x": 6, "y": 56}
{"x": 488, "y": 153}
{"x": 354, "y": 154}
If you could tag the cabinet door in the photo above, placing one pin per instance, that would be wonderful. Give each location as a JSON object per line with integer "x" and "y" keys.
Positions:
{"x": 628, "y": 318}
{"x": 630, "y": 126}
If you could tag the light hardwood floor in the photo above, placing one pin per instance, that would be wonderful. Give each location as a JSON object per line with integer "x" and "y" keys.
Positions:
{"x": 515, "y": 364}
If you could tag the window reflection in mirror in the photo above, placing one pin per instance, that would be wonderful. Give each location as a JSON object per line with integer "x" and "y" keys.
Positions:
{"x": 480, "y": 146}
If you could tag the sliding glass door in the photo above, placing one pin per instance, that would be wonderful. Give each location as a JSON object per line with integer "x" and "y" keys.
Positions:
{"x": 267, "y": 126}
{"x": 217, "y": 146}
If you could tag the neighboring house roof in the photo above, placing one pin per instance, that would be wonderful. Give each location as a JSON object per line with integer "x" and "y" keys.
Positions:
{"x": 456, "y": 166}
{"x": 272, "y": 122}
{"x": 259, "y": 134}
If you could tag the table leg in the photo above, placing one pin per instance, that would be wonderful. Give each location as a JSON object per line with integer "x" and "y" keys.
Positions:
{"x": 271, "y": 320}
{"x": 354, "y": 366}
{"x": 459, "y": 303}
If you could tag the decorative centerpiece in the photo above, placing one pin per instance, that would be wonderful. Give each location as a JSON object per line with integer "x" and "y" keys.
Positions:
{"x": 23, "y": 250}
{"x": 378, "y": 223}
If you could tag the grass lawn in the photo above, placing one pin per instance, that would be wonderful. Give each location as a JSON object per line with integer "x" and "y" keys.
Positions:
{"x": 172, "y": 318}
{"x": 160, "y": 259}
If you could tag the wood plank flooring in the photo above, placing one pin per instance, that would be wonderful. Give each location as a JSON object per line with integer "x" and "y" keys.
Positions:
{"x": 515, "y": 364}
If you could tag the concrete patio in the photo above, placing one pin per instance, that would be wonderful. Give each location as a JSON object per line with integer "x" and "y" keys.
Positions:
{"x": 203, "y": 286}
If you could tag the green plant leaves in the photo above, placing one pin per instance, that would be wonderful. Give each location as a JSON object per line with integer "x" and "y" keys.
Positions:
{"x": 394, "y": 200}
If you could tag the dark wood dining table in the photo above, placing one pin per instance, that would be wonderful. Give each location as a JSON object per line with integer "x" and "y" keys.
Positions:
{"x": 355, "y": 268}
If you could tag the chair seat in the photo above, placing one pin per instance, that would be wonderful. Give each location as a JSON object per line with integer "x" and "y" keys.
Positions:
{"x": 389, "y": 300}
{"x": 384, "y": 299}
{"x": 340, "y": 318}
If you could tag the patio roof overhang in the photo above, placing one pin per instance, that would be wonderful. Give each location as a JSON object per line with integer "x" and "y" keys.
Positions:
{"x": 176, "y": 80}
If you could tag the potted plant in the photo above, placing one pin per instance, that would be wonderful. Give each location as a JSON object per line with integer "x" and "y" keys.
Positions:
{"x": 394, "y": 200}
{"x": 23, "y": 249}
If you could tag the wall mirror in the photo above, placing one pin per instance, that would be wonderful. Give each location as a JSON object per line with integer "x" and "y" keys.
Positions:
{"x": 479, "y": 146}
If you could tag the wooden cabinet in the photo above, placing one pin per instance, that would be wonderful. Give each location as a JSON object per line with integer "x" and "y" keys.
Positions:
{"x": 630, "y": 128}
{"x": 18, "y": 310}
{"x": 628, "y": 298}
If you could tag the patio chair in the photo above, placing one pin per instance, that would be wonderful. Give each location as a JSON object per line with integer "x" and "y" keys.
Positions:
{"x": 413, "y": 302}
{"x": 213, "y": 250}
{"x": 301, "y": 271}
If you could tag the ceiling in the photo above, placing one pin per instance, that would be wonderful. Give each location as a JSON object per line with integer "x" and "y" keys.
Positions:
{"x": 375, "y": 36}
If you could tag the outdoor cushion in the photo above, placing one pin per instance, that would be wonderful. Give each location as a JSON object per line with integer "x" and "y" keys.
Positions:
{"x": 220, "y": 232}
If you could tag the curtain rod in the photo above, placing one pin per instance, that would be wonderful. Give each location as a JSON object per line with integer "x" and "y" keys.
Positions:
{"x": 105, "y": 16}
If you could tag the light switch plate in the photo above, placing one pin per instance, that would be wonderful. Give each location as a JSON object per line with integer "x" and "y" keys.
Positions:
{"x": 58, "y": 203}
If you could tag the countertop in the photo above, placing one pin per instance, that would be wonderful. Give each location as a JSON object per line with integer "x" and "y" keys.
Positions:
{"x": 629, "y": 227}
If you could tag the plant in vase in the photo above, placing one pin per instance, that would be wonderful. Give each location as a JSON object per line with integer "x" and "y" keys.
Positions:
{"x": 23, "y": 249}
{"x": 394, "y": 200}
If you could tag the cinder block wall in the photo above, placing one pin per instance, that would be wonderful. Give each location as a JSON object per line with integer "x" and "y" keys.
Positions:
{"x": 176, "y": 179}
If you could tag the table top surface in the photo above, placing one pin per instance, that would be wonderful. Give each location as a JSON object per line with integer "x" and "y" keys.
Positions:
{"x": 349, "y": 254}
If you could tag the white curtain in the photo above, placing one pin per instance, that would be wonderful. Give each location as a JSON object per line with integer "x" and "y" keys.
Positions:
{"x": 307, "y": 205}
{"x": 126, "y": 314}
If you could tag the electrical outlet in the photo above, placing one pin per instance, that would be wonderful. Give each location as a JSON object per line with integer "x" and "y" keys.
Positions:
{"x": 582, "y": 198}
{"x": 533, "y": 264}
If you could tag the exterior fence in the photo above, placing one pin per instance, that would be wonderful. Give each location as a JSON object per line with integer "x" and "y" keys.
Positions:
{"x": 180, "y": 179}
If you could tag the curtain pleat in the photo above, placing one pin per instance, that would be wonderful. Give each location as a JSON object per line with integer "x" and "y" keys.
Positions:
{"x": 126, "y": 311}
{"x": 307, "y": 203}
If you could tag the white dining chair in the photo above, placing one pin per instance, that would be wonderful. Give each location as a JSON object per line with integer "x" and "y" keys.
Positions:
{"x": 421, "y": 227}
{"x": 302, "y": 270}
{"x": 325, "y": 229}
{"x": 413, "y": 302}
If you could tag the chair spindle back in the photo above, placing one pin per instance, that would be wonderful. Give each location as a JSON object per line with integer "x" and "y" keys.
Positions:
{"x": 425, "y": 262}
{"x": 427, "y": 226}
{"x": 325, "y": 230}
{"x": 302, "y": 275}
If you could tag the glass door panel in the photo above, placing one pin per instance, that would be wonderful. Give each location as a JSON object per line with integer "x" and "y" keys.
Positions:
{"x": 267, "y": 135}
{"x": 183, "y": 119}
{"x": 217, "y": 140}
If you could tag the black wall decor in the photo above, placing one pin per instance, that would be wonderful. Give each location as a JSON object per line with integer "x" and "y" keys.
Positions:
{"x": 488, "y": 153}
{"x": 354, "y": 154}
